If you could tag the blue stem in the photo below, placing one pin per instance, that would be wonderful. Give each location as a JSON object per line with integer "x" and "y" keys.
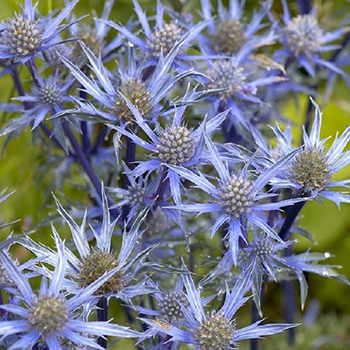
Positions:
{"x": 289, "y": 308}
{"x": 85, "y": 135}
{"x": 292, "y": 214}
{"x": 85, "y": 139}
{"x": 288, "y": 286}
{"x": 83, "y": 160}
{"x": 254, "y": 345}
{"x": 305, "y": 6}
{"x": 102, "y": 316}
{"x": 80, "y": 155}
{"x": 99, "y": 140}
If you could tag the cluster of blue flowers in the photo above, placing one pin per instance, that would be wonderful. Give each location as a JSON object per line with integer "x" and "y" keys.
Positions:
{"x": 173, "y": 120}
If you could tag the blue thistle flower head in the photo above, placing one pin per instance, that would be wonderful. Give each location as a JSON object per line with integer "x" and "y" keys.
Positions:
{"x": 305, "y": 40}
{"x": 94, "y": 35}
{"x": 228, "y": 32}
{"x": 134, "y": 194}
{"x": 93, "y": 262}
{"x": 236, "y": 82}
{"x": 312, "y": 169}
{"x": 239, "y": 83}
{"x": 266, "y": 254}
{"x": 214, "y": 329}
{"x": 263, "y": 256}
{"x": 225, "y": 74}
{"x": 51, "y": 93}
{"x": 161, "y": 40}
{"x": 49, "y": 315}
{"x": 169, "y": 303}
{"x": 303, "y": 35}
{"x": 53, "y": 53}
{"x": 127, "y": 83}
{"x": 137, "y": 195}
{"x": 24, "y": 36}
{"x": 157, "y": 221}
{"x": 173, "y": 145}
{"x": 237, "y": 198}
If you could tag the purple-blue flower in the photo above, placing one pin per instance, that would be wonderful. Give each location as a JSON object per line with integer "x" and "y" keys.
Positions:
{"x": 311, "y": 171}
{"x": 229, "y": 30}
{"x": 24, "y": 36}
{"x": 175, "y": 144}
{"x": 94, "y": 261}
{"x": 94, "y": 36}
{"x": 264, "y": 256}
{"x": 145, "y": 93}
{"x": 237, "y": 198}
{"x": 51, "y": 93}
{"x": 51, "y": 316}
{"x": 238, "y": 80}
{"x": 214, "y": 329}
{"x": 305, "y": 40}
{"x": 164, "y": 36}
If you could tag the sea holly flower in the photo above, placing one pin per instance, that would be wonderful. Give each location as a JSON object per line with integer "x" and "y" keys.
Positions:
{"x": 157, "y": 221}
{"x": 53, "y": 53}
{"x": 93, "y": 262}
{"x": 50, "y": 94}
{"x": 134, "y": 194}
{"x": 24, "y": 36}
{"x": 49, "y": 315}
{"x": 94, "y": 36}
{"x": 169, "y": 308}
{"x": 237, "y": 198}
{"x": 144, "y": 94}
{"x": 215, "y": 329}
{"x": 168, "y": 303}
{"x": 264, "y": 256}
{"x": 164, "y": 229}
{"x": 164, "y": 36}
{"x": 141, "y": 193}
{"x": 229, "y": 31}
{"x": 230, "y": 76}
{"x": 311, "y": 171}
{"x": 265, "y": 253}
{"x": 138, "y": 194}
{"x": 173, "y": 145}
{"x": 236, "y": 84}
{"x": 305, "y": 40}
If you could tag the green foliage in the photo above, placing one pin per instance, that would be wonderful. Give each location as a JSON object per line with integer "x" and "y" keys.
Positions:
{"x": 329, "y": 332}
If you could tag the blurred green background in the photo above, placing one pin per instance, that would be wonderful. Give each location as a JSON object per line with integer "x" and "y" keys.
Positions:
{"x": 331, "y": 227}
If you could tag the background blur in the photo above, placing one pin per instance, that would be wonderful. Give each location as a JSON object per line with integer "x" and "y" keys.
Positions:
{"x": 20, "y": 170}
